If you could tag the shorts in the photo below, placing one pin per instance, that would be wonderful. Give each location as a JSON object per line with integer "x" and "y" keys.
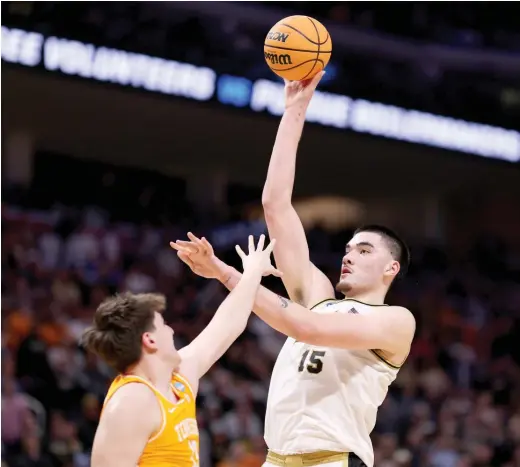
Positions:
{"x": 325, "y": 459}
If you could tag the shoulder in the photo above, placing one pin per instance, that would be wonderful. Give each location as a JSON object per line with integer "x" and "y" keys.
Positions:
{"x": 403, "y": 316}
{"x": 128, "y": 420}
{"x": 399, "y": 327}
{"x": 133, "y": 401}
{"x": 395, "y": 318}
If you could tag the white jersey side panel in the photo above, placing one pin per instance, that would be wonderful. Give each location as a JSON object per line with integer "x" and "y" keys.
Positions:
{"x": 326, "y": 399}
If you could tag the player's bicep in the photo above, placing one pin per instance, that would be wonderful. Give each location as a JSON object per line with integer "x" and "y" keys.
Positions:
{"x": 127, "y": 423}
{"x": 390, "y": 330}
{"x": 305, "y": 284}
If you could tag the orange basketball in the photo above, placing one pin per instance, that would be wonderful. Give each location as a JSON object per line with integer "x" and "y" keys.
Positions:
{"x": 297, "y": 47}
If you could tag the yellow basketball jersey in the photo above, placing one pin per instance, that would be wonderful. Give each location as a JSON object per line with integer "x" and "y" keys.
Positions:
{"x": 176, "y": 443}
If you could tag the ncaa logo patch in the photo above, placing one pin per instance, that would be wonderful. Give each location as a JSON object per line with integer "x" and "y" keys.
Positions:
{"x": 179, "y": 386}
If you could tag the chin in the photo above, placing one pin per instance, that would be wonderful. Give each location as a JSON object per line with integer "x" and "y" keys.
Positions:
{"x": 344, "y": 287}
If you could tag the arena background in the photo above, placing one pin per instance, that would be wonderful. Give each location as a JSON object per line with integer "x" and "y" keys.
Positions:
{"x": 126, "y": 124}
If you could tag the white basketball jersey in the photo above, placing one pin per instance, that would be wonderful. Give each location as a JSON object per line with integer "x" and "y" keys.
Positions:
{"x": 326, "y": 399}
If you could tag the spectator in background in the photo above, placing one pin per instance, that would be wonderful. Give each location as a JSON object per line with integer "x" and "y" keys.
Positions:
{"x": 14, "y": 408}
{"x": 32, "y": 454}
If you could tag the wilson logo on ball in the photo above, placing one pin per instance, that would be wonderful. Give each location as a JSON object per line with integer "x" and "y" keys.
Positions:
{"x": 275, "y": 59}
{"x": 278, "y": 36}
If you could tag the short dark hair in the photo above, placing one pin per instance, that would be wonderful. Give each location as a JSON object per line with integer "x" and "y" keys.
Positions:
{"x": 395, "y": 244}
{"x": 119, "y": 324}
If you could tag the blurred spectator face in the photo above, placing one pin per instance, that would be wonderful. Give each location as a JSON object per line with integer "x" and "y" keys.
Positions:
{"x": 8, "y": 387}
{"x": 516, "y": 455}
{"x": 97, "y": 295}
{"x": 387, "y": 445}
{"x": 7, "y": 366}
{"x": 464, "y": 462}
{"x": 14, "y": 411}
{"x": 482, "y": 455}
{"x": 90, "y": 407}
{"x": 138, "y": 282}
{"x": 368, "y": 264}
{"x": 514, "y": 428}
{"x": 32, "y": 446}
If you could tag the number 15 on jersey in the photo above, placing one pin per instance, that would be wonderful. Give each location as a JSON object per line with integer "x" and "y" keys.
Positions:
{"x": 312, "y": 361}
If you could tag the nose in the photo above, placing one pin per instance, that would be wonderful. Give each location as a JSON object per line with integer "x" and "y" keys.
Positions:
{"x": 347, "y": 259}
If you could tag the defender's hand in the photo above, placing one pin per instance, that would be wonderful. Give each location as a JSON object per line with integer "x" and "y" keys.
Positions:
{"x": 258, "y": 260}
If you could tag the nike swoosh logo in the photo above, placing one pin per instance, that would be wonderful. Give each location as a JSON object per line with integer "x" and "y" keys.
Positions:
{"x": 171, "y": 410}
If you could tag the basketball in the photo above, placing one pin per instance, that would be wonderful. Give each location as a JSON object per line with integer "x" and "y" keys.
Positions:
{"x": 297, "y": 48}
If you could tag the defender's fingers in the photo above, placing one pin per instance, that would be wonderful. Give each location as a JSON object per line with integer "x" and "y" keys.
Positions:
{"x": 240, "y": 252}
{"x": 261, "y": 242}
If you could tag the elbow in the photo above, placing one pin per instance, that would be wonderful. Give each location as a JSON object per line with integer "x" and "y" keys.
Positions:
{"x": 275, "y": 199}
{"x": 274, "y": 205}
{"x": 240, "y": 326}
{"x": 268, "y": 201}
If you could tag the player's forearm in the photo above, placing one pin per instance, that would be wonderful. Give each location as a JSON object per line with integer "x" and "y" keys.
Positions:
{"x": 229, "y": 321}
{"x": 233, "y": 313}
{"x": 270, "y": 307}
{"x": 280, "y": 175}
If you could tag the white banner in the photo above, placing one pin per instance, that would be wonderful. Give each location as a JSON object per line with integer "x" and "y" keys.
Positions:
{"x": 181, "y": 79}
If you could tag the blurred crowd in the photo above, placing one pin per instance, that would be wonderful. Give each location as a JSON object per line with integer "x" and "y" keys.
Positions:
{"x": 455, "y": 402}
{"x": 233, "y": 46}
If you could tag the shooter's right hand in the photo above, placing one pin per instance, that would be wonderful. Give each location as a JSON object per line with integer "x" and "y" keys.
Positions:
{"x": 299, "y": 93}
{"x": 198, "y": 254}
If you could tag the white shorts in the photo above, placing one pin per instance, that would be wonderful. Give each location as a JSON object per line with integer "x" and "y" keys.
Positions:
{"x": 315, "y": 459}
{"x": 343, "y": 463}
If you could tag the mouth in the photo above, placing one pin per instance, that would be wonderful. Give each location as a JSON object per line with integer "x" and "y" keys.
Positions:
{"x": 345, "y": 270}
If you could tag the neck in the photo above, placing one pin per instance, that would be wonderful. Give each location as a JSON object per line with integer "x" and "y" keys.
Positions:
{"x": 156, "y": 372}
{"x": 370, "y": 297}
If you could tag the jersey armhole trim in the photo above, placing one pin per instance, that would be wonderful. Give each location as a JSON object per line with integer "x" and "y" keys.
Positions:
{"x": 163, "y": 425}
{"x": 346, "y": 300}
{"x": 377, "y": 354}
{"x": 324, "y": 301}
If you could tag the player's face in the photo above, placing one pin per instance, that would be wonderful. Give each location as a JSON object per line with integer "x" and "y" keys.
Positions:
{"x": 367, "y": 264}
{"x": 164, "y": 343}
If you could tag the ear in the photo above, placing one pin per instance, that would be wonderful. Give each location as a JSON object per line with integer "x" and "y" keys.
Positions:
{"x": 392, "y": 269}
{"x": 149, "y": 342}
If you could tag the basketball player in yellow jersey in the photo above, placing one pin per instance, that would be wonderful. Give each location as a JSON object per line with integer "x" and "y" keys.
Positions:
{"x": 148, "y": 418}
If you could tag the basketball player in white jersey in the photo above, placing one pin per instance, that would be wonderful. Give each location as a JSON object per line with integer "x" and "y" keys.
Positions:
{"x": 334, "y": 370}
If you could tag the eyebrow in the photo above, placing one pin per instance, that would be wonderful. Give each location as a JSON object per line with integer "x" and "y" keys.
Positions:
{"x": 347, "y": 247}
